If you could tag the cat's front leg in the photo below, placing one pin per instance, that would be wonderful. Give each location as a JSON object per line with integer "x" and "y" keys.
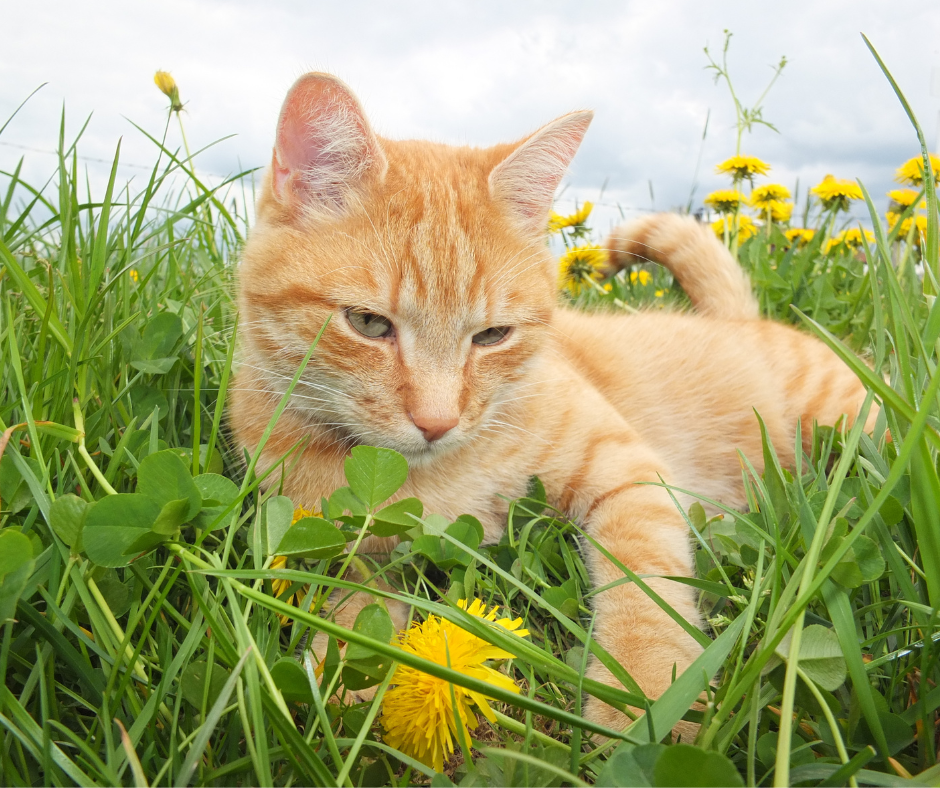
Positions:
{"x": 607, "y": 489}
{"x": 640, "y": 526}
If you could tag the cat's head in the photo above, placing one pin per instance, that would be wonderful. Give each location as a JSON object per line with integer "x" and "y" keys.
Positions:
{"x": 429, "y": 260}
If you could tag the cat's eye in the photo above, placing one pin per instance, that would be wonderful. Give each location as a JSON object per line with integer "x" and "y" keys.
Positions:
{"x": 369, "y": 324}
{"x": 491, "y": 336}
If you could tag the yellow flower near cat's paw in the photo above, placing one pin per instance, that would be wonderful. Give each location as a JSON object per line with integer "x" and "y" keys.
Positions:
{"x": 641, "y": 277}
{"x": 418, "y": 713}
{"x": 836, "y": 193}
{"x": 279, "y": 586}
{"x": 580, "y": 266}
{"x": 742, "y": 167}
{"x": 912, "y": 171}
{"x": 725, "y": 200}
{"x": 556, "y": 222}
{"x": 741, "y": 225}
{"x": 168, "y": 87}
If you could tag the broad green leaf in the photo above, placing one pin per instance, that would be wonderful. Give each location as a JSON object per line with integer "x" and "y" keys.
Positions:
{"x": 278, "y": 513}
{"x": 160, "y": 335}
{"x": 154, "y": 366}
{"x": 375, "y": 475}
{"x": 67, "y": 518}
{"x": 373, "y": 621}
{"x": 144, "y": 400}
{"x": 396, "y": 519}
{"x": 163, "y": 477}
{"x": 864, "y": 563}
{"x": 685, "y": 765}
{"x": 213, "y": 487}
{"x": 343, "y": 499}
{"x": 631, "y": 766}
{"x": 444, "y": 554}
{"x": 15, "y": 550}
{"x": 821, "y": 656}
{"x": 114, "y": 524}
{"x": 312, "y": 537}
{"x": 292, "y": 681}
{"x": 467, "y": 531}
{"x": 16, "y": 565}
{"x": 897, "y": 732}
{"x": 14, "y": 492}
{"x": 767, "y": 749}
{"x": 144, "y": 544}
{"x": 535, "y": 490}
{"x": 891, "y": 511}
{"x": 117, "y": 594}
{"x": 364, "y": 668}
{"x": 430, "y": 547}
{"x": 193, "y": 682}
{"x": 562, "y": 598}
{"x": 172, "y": 516}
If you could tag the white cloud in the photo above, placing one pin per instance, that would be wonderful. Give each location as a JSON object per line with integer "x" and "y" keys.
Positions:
{"x": 484, "y": 72}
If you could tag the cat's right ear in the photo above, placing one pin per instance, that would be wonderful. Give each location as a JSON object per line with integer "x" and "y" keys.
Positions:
{"x": 526, "y": 181}
{"x": 325, "y": 153}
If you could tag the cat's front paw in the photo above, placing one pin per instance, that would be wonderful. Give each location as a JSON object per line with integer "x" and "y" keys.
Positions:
{"x": 654, "y": 677}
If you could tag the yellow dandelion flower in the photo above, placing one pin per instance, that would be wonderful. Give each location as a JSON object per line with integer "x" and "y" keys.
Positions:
{"x": 660, "y": 293}
{"x": 641, "y": 277}
{"x": 418, "y": 713}
{"x": 608, "y": 287}
{"x": 912, "y": 171}
{"x": 168, "y": 88}
{"x": 905, "y": 198}
{"x": 763, "y": 196}
{"x": 835, "y": 193}
{"x": 134, "y": 275}
{"x": 778, "y": 211}
{"x": 279, "y": 586}
{"x": 725, "y": 200}
{"x": 743, "y": 226}
{"x": 577, "y": 219}
{"x": 850, "y": 239}
{"x": 800, "y": 235}
{"x": 918, "y": 222}
{"x": 742, "y": 167}
{"x": 579, "y": 266}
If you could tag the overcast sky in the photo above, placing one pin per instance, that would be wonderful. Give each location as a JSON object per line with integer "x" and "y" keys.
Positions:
{"x": 487, "y": 71}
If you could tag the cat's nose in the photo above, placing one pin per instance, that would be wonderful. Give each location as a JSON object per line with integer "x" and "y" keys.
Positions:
{"x": 434, "y": 427}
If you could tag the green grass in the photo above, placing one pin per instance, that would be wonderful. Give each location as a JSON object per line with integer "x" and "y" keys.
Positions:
{"x": 117, "y": 327}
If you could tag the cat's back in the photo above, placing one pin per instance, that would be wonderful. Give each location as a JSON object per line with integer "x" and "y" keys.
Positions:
{"x": 690, "y": 384}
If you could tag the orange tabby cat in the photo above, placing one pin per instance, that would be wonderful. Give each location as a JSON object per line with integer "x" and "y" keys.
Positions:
{"x": 447, "y": 344}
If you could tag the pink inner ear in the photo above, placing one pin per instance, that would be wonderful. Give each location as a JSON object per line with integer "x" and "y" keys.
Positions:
{"x": 528, "y": 178}
{"x": 324, "y": 144}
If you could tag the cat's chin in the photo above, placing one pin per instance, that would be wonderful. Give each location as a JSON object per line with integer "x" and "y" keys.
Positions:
{"x": 419, "y": 455}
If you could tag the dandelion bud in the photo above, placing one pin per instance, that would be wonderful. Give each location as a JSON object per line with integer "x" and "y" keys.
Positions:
{"x": 169, "y": 88}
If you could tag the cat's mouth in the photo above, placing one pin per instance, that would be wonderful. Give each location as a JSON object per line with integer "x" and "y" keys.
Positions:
{"x": 416, "y": 450}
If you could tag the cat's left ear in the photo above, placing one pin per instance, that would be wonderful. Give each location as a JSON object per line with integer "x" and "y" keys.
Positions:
{"x": 527, "y": 179}
{"x": 325, "y": 154}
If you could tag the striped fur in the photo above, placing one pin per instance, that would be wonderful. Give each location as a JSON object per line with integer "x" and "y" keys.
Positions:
{"x": 440, "y": 240}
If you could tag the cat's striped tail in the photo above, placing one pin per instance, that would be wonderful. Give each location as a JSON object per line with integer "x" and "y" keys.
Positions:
{"x": 713, "y": 280}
